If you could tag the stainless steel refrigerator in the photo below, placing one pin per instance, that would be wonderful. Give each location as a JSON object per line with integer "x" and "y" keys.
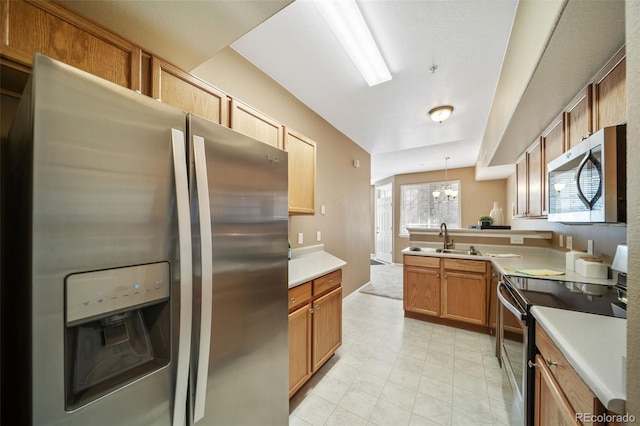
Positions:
{"x": 144, "y": 263}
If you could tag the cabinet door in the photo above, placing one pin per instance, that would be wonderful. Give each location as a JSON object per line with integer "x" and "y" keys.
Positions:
{"x": 521, "y": 187}
{"x": 579, "y": 119}
{"x": 51, "y": 29}
{"x": 251, "y": 122}
{"x": 464, "y": 297}
{"x": 551, "y": 406}
{"x": 422, "y": 290}
{"x": 299, "y": 347}
{"x": 610, "y": 93}
{"x": 327, "y": 327}
{"x": 534, "y": 180}
{"x": 182, "y": 90}
{"x": 302, "y": 172}
{"x": 552, "y": 143}
{"x": 493, "y": 300}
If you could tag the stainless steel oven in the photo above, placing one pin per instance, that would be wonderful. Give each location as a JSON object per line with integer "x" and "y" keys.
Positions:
{"x": 516, "y": 335}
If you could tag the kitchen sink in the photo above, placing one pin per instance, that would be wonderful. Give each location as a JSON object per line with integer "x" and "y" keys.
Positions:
{"x": 470, "y": 252}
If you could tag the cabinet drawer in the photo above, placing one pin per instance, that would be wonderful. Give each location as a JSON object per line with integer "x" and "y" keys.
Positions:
{"x": 425, "y": 262}
{"x": 327, "y": 282}
{"x": 466, "y": 265}
{"x": 299, "y": 295}
{"x": 578, "y": 394}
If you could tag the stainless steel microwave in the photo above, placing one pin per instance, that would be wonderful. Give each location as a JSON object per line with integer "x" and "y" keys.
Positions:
{"x": 587, "y": 184}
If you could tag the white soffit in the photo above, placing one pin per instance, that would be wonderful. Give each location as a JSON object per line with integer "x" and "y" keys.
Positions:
{"x": 185, "y": 33}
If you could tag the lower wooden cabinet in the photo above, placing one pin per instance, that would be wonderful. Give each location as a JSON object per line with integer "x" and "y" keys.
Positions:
{"x": 559, "y": 392}
{"x": 315, "y": 326}
{"x": 327, "y": 327}
{"x": 299, "y": 347}
{"x": 422, "y": 290}
{"x": 451, "y": 289}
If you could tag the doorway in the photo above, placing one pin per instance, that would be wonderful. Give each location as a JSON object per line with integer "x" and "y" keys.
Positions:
{"x": 384, "y": 223}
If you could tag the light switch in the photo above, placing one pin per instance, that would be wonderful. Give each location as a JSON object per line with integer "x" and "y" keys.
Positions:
{"x": 561, "y": 240}
{"x": 323, "y": 210}
{"x": 319, "y": 236}
{"x": 569, "y": 242}
{"x": 517, "y": 239}
{"x": 300, "y": 238}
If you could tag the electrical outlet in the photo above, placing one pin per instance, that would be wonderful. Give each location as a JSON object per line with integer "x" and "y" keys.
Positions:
{"x": 561, "y": 240}
{"x": 590, "y": 247}
{"x": 517, "y": 239}
{"x": 569, "y": 242}
{"x": 319, "y": 236}
{"x": 323, "y": 209}
{"x": 300, "y": 238}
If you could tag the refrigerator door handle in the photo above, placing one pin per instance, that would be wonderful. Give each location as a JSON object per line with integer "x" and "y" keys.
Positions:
{"x": 206, "y": 279}
{"x": 186, "y": 284}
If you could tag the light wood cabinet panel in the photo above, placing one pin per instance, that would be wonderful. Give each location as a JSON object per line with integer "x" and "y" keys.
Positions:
{"x": 421, "y": 290}
{"x": 610, "y": 93}
{"x": 551, "y": 406}
{"x": 327, "y": 282}
{"x": 251, "y": 122}
{"x": 182, "y": 90}
{"x": 465, "y": 265}
{"x": 302, "y": 172}
{"x": 464, "y": 297}
{"x": 493, "y": 300}
{"x": 327, "y": 327}
{"x": 521, "y": 187}
{"x": 534, "y": 178}
{"x": 579, "y": 119}
{"x": 299, "y": 347}
{"x": 51, "y": 29}
{"x": 299, "y": 295}
{"x": 552, "y": 143}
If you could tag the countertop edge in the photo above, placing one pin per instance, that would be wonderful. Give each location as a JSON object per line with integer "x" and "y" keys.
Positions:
{"x": 312, "y": 265}
{"x": 612, "y": 395}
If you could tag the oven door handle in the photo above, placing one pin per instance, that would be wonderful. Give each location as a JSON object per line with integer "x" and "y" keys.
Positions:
{"x": 515, "y": 311}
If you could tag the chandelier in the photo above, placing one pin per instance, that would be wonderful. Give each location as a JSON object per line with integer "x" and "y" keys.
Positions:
{"x": 446, "y": 194}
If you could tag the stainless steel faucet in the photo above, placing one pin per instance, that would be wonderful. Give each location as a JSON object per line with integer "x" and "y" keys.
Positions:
{"x": 445, "y": 236}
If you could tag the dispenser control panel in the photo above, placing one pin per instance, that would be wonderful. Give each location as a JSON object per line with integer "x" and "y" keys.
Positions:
{"x": 96, "y": 293}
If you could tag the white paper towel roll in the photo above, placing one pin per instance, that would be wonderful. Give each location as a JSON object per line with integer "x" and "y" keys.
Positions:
{"x": 571, "y": 258}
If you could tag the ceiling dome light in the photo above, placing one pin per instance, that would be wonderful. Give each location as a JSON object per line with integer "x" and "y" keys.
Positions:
{"x": 441, "y": 113}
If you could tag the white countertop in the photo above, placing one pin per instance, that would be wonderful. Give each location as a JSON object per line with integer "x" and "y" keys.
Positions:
{"x": 311, "y": 262}
{"x": 530, "y": 258}
{"x": 594, "y": 345}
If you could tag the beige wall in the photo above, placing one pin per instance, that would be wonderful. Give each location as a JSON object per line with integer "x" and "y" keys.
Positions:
{"x": 343, "y": 189}
{"x": 477, "y": 198}
{"x": 633, "y": 183}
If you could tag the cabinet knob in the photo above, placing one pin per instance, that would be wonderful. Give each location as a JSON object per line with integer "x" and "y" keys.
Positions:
{"x": 330, "y": 281}
{"x": 293, "y": 300}
{"x": 532, "y": 364}
{"x": 317, "y": 307}
{"x": 310, "y": 310}
{"x": 550, "y": 363}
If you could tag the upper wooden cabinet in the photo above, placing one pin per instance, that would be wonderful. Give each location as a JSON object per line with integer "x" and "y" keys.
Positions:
{"x": 48, "y": 28}
{"x": 529, "y": 182}
{"x": 610, "y": 94}
{"x": 251, "y": 122}
{"x": 552, "y": 147}
{"x": 182, "y": 90}
{"x": 579, "y": 118}
{"x": 302, "y": 172}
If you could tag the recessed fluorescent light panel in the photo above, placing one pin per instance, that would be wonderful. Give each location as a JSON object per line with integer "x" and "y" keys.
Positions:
{"x": 346, "y": 21}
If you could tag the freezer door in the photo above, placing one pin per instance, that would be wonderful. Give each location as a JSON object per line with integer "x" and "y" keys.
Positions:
{"x": 98, "y": 175}
{"x": 242, "y": 318}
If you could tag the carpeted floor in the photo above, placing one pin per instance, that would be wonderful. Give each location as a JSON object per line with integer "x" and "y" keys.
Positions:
{"x": 386, "y": 281}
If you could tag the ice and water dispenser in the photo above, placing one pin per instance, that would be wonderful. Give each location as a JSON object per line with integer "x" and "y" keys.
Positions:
{"x": 117, "y": 329}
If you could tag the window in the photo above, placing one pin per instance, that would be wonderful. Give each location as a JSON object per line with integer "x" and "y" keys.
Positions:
{"x": 418, "y": 209}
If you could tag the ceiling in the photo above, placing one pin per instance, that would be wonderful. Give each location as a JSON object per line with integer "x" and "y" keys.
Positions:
{"x": 493, "y": 58}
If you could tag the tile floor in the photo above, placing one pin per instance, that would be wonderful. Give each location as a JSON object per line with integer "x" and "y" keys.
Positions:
{"x": 393, "y": 371}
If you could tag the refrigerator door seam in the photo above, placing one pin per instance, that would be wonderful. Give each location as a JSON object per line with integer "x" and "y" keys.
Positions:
{"x": 206, "y": 251}
{"x": 184, "y": 236}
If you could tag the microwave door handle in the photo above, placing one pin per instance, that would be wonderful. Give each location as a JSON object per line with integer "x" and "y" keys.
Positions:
{"x": 589, "y": 157}
{"x": 515, "y": 311}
